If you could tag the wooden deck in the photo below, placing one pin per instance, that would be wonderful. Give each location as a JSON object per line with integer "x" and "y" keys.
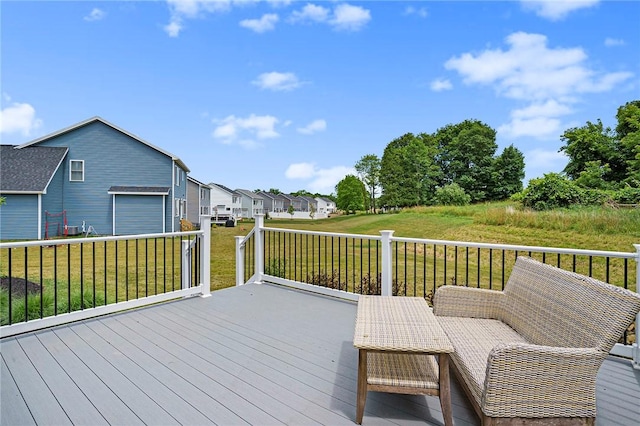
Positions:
{"x": 257, "y": 354}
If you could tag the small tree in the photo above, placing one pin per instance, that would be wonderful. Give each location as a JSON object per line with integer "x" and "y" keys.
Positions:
{"x": 312, "y": 211}
{"x": 350, "y": 194}
{"x": 290, "y": 210}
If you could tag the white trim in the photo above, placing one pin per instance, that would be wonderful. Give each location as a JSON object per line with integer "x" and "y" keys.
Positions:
{"x": 24, "y": 327}
{"x": 341, "y": 294}
{"x": 164, "y": 214}
{"x": 56, "y": 171}
{"x": 39, "y": 233}
{"x": 113, "y": 216}
{"x": 71, "y": 161}
{"x": 137, "y": 193}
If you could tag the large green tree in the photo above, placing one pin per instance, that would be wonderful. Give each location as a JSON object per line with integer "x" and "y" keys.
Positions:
{"x": 593, "y": 144}
{"x": 466, "y": 155}
{"x": 408, "y": 173}
{"x": 628, "y": 134}
{"x": 351, "y": 194}
{"x": 368, "y": 168}
{"x": 508, "y": 173}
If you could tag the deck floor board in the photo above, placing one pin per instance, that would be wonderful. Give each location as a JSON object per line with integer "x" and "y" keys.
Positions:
{"x": 256, "y": 354}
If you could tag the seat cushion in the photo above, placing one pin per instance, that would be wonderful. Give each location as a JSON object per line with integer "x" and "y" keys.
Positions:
{"x": 473, "y": 339}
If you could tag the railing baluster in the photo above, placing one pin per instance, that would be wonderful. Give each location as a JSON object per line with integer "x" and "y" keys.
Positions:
{"x": 116, "y": 271}
{"x": 10, "y": 295}
{"x": 55, "y": 279}
{"x": 490, "y": 269}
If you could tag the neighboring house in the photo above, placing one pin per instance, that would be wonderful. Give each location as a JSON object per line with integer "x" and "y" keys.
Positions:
{"x": 294, "y": 201}
{"x": 31, "y": 181}
{"x": 198, "y": 199}
{"x": 99, "y": 174}
{"x": 325, "y": 205}
{"x": 312, "y": 204}
{"x": 225, "y": 203}
{"x": 252, "y": 203}
{"x": 273, "y": 203}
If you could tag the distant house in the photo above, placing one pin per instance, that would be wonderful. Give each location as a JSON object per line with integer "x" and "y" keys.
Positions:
{"x": 294, "y": 201}
{"x": 100, "y": 175}
{"x": 311, "y": 204}
{"x": 273, "y": 203}
{"x": 198, "y": 199}
{"x": 326, "y": 205}
{"x": 252, "y": 203}
{"x": 225, "y": 203}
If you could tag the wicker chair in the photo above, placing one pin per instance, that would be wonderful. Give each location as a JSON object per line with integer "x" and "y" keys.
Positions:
{"x": 530, "y": 354}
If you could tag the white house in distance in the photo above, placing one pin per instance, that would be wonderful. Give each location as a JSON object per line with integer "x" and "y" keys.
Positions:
{"x": 225, "y": 203}
{"x": 325, "y": 205}
{"x": 252, "y": 203}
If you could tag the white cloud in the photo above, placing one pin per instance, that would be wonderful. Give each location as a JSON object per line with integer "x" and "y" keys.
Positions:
{"x": 314, "y": 127}
{"x": 245, "y": 131}
{"x": 191, "y": 9}
{"x": 421, "y": 12}
{"x": 349, "y": 18}
{"x": 440, "y": 84}
{"x": 539, "y": 159}
{"x": 95, "y": 15}
{"x": 319, "y": 180}
{"x": 611, "y": 42}
{"x": 300, "y": 171}
{"x": 537, "y": 127}
{"x": 555, "y": 10}
{"x": 310, "y": 12}
{"x": 277, "y": 81}
{"x": 279, "y": 3}
{"x": 343, "y": 17}
{"x": 548, "y": 80}
{"x": 18, "y": 118}
{"x": 266, "y": 23}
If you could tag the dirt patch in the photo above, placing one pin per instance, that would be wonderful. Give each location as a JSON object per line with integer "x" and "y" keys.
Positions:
{"x": 18, "y": 286}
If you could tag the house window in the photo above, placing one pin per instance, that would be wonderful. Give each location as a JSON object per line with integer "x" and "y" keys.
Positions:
{"x": 202, "y": 193}
{"x": 177, "y": 176}
{"x": 76, "y": 170}
{"x": 177, "y": 207}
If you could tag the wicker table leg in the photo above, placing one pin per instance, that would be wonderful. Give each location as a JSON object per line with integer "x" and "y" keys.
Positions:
{"x": 445, "y": 389}
{"x": 362, "y": 385}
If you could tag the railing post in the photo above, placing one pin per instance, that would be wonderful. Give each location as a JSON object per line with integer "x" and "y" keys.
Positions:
{"x": 636, "y": 346}
{"x": 259, "y": 236}
{"x": 186, "y": 265}
{"x": 387, "y": 285}
{"x": 239, "y": 261}
{"x": 205, "y": 255}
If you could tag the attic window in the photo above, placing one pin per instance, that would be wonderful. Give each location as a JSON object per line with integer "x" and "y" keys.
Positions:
{"x": 76, "y": 170}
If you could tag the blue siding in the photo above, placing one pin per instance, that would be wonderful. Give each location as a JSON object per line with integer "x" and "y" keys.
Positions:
{"x": 110, "y": 158}
{"x": 52, "y": 200}
{"x": 20, "y": 221}
{"x": 180, "y": 193}
{"x": 138, "y": 214}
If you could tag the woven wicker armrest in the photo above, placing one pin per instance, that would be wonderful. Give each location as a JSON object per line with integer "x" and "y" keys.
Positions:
{"x": 525, "y": 380}
{"x": 452, "y": 301}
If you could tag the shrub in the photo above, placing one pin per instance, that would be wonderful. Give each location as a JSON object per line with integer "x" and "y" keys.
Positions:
{"x": 627, "y": 195}
{"x": 452, "y": 195}
{"x": 550, "y": 192}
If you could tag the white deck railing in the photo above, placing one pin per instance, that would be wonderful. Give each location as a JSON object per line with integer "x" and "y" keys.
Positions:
{"x": 72, "y": 279}
{"x": 346, "y": 265}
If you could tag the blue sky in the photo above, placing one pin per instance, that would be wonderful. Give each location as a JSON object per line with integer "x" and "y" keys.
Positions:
{"x": 291, "y": 94}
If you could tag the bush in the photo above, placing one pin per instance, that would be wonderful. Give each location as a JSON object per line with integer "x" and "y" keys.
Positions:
{"x": 452, "y": 195}
{"x": 550, "y": 192}
{"x": 627, "y": 195}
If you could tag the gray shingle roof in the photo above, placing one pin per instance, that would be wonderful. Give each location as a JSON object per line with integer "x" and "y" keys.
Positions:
{"x": 28, "y": 169}
{"x": 140, "y": 189}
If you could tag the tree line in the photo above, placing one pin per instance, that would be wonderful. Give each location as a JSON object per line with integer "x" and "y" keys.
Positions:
{"x": 458, "y": 164}
{"x": 455, "y": 165}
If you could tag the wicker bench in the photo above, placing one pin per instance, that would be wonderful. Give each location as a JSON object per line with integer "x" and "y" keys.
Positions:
{"x": 530, "y": 354}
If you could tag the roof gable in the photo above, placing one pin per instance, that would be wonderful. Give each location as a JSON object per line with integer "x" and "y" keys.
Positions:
{"x": 28, "y": 170}
{"x": 113, "y": 126}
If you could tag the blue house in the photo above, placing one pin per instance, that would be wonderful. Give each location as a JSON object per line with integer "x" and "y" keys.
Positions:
{"x": 98, "y": 174}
